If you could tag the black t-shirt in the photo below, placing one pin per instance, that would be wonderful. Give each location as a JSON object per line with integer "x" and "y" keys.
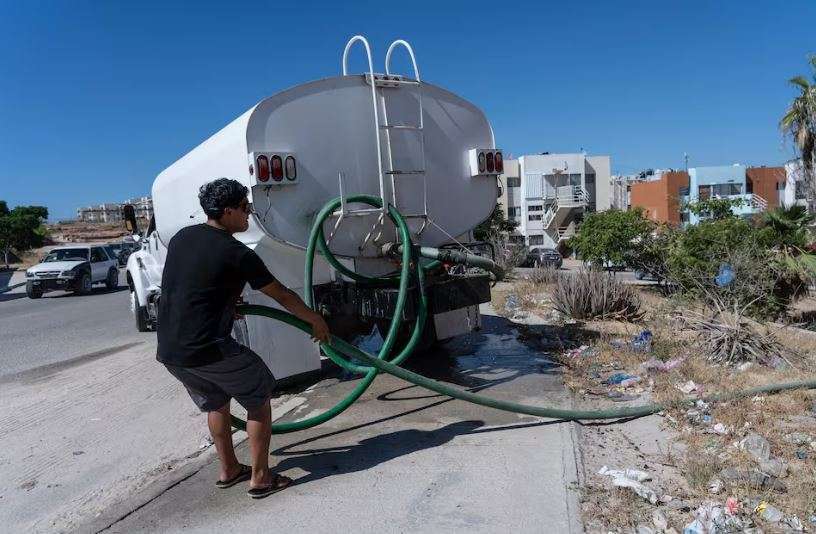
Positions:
{"x": 204, "y": 273}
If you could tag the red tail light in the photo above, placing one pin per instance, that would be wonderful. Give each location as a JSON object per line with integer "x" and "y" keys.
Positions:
{"x": 263, "y": 168}
{"x": 490, "y": 166}
{"x": 499, "y": 163}
{"x": 277, "y": 168}
{"x": 291, "y": 168}
{"x": 481, "y": 162}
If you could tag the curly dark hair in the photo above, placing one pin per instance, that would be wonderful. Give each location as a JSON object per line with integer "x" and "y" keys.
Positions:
{"x": 219, "y": 194}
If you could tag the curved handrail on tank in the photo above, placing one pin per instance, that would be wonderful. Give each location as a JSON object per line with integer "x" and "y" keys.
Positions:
{"x": 401, "y": 42}
{"x": 374, "y": 105}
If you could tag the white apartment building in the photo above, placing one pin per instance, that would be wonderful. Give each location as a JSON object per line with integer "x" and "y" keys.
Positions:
{"x": 548, "y": 194}
{"x": 112, "y": 212}
{"x": 795, "y": 189}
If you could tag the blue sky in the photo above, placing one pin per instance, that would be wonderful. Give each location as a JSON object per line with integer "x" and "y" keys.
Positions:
{"x": 96, "y": 98}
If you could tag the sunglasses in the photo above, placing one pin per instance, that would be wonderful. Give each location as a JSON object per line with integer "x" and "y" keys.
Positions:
{"x": 246, "y": 207}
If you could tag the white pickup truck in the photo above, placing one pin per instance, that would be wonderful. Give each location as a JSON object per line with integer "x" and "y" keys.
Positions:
{"x": 72, "y": 268}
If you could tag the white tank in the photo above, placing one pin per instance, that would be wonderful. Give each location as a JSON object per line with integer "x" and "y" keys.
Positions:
{"x": 327, "y": 126}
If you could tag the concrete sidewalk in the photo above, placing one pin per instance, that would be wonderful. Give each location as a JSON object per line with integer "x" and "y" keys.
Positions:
{"x": 11, "y": 281}
{"x": 403, "y": 459}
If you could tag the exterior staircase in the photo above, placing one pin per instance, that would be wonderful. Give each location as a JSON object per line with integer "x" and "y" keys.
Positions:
{"x": 556, "y": 218}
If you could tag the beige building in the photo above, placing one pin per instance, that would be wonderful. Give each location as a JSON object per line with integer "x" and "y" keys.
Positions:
{"x": 112, "y": 212}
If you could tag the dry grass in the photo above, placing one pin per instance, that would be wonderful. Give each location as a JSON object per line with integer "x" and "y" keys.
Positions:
{"x": 707, "y": 453}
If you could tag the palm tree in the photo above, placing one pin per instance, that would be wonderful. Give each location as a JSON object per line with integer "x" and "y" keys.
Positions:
{"x": 799, "y": 122}
{"x": 788, "y": 227}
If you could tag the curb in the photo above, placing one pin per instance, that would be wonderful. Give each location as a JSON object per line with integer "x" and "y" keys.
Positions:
{"x": 13, "y": 286}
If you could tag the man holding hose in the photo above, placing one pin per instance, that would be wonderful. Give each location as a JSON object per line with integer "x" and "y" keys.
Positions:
{"x": 204, "y": 275}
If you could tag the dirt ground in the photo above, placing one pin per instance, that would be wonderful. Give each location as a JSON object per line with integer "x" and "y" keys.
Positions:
{"x": 733, "y": 465}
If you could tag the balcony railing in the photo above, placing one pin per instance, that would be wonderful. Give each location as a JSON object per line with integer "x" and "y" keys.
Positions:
{"x": 566, "y": 197}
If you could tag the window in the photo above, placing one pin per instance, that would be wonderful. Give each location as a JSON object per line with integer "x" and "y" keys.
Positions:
{"x": 800, "y": 190}
{"x": 513, "y": 181}
{"x": 536, "y": 240}
{"x": 98, "y": 254}
{"x": 574, "y": 179}
{"x": 704, "y": 192}
{"x": 534, "y": 217}
{"x": 724, "y": 190}
{"x": 684, "y": 191}
{"x": 535, "y": 208}
{"x": 514, "y": 212}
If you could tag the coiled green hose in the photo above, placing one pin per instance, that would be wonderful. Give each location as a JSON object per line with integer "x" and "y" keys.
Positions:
{"x": 338, "y": 348}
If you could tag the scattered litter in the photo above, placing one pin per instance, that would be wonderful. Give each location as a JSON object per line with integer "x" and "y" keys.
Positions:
{"x": 639, "y": 343}
{"x": 643, "y": 342}
{"x": 753, "y": 477}
{"x": 812, "y": 519}
{"x": 630, "y": 478}
{"x": 633, "y": 474}
{"x": 720, "y": 429}
{"x": 732, "y": 506}
{"x": 512, "y": 305}
{"x": 802, "y": 455}
{"x": 659, "y": 520}
{"x": 206, "y": 443}
{"x": 643, "y": 529}
{"x": 715, "y": 486}
{"x": 794, "y": 523}
{"x": 710, "y": 517}
{"x": 666, "y": 499}
{"x": 617, "y": 396}
{"x": 658, "y": 365}
{"x": 706, "y": 419}
{"x": 725, "y": 276}
{"x": 584, "y": 351}
{"x": 798, "y": 438}
{"x": 702, "y": 405}
{"x": 620, "y": 378}
{"x": 757, "y": 446}
{"x": 688, "y": 387}
{"x": 774, "y": 467}
{"x": 769, "y": 513}
{"x": 744, "y": 366}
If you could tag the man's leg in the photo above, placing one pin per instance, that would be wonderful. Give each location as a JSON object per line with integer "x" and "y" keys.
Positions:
{"x": 221, "y": 431}
{"x": 259, "y": 429}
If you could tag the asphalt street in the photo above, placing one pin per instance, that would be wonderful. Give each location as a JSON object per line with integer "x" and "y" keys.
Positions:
{"x": 63, "y": 327}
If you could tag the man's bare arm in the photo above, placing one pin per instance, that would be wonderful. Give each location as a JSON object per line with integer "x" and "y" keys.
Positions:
{"x": 295, "y": 305}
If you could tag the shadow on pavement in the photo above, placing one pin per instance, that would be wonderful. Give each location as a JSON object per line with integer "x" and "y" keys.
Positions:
{"x": 11, "y": 296}
{"x": 322, "y": 463}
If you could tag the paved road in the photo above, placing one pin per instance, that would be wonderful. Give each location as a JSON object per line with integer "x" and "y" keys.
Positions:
{"x": 62, "y": 326}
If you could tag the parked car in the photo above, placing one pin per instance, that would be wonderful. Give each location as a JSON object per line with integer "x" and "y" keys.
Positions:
{"x": 115, "y": 251}
{"x": 544, "y": 257}
{"x": 72, "y": 268}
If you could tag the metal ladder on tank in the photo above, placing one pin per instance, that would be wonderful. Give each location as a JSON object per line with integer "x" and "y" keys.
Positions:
{"x": 386, "y": 168}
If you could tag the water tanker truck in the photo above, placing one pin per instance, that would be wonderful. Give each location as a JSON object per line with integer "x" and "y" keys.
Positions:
{"x": 413, "y": 145}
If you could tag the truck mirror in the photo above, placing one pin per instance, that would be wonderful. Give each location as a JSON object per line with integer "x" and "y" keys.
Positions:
{"x": 129, "y": 215}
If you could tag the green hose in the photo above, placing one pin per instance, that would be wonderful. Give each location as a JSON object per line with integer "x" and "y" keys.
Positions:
{"x": 411, "y": 267}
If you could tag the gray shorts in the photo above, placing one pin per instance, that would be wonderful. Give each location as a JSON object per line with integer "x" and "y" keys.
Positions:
{"x": 241, "y": 375}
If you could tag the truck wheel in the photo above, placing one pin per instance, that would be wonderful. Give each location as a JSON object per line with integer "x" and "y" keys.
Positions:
{"x": 112, "y": 281}
{"x": 84, "y": 284}
{"x": 139, "y": 313}
{"x": 33, "y": 293}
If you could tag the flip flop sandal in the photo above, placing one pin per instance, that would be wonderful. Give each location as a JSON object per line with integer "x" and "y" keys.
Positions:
{"x": 280, "y": 482}
{"x": 244, "y": 474}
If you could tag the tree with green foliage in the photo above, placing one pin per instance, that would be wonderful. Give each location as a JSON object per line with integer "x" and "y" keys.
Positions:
{"x": 21, "y": 229}
{"x": 612, "y": 236}
{"x": 799, "y": 123}
{"x": 715, "y": 208}
{"x": 493, "y": 225}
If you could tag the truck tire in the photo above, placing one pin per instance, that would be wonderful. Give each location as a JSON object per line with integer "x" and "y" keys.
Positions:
{"x": 112, "y": 282}
{"x": 33, "y": 293}
{"x": 139, "y": 313}
{"x": 84, "y": 285}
